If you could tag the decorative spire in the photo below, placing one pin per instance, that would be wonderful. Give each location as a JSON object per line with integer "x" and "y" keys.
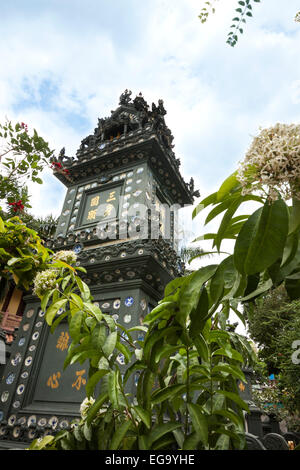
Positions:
{"x": 125, "y": 97}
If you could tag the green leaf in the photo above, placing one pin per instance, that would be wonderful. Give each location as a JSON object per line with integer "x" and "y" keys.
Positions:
{"x": 179, "y": 436}
{"x": 160, "y": 430}
{"x": 98, "y": 336}
{"x": 165, "y": 442}
{"x": 91, "y": 322}
{"x": 145, "y": 415}
{"x": 125, "y": 351}
{"x": 264, "y": 287}
{"x": 166, "y": 393}
{"x": 113, "y": 388}
{"x": 78, "y": 434}
{"x": 199, "y": 314}
{"x": 61, "y": 264}
{"x": 229, "y": 352}
{"x": 96, "y": 407}
{"x": 119, "y": 435}
{"x": 76, "y": 302}
{"x": 84, "y": 289}
{"x": 235, "y": 398}
{"x": 229, "y": 184}
{"x": 58, "y": 320}
{"x": 190, "y": 293}
{"x": 94, "y": 310}
{"x": 211, "y": 199}
{"x": 143, "y": 443}
{"x": 45, "y": 299}
{"x": 202, "y": 347}
{"x": 93, "y": 380}
{"x": 65, "y": 282}
{"x": 207, "y": 253}
{"x": 225, "y": 273}
{"x": 87, "y": 431}
{"x": 109, "y": 321}
{"x": 294, "y": 223}
{"x": 219, "y": 209}
{"x": 53, "y": 309}
{"x": 236, "y": 419}
{"x": 144, "y": 388}
{"x": 232, "y": 370}
{"x": 262, "y": 238}
{"x": 2, "y": 226}
{"x": 110, "y": 343}
{"x": 223, "y": 443}
{"x": 199, "y": 421}
{"x": 191, "y": 442}
{"x": 162, "y": 310}
{"x": 155, "y": 337}
{"x": 136, "y": 366}
{"x": 38, "y": 445}
{"x": 290, "y": 248}
{"x": 75, "y": 325}
{"x": 173, "y": 286}
{"x": 13, "y": 261}
{"x": 223, "y": 227}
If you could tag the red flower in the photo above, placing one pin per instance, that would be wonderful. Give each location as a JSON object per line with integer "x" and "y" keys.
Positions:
{"x": 24, "y": 126}
{"x": 56, "y": 165}
{"x": 17, "y": 206}
{"x": 66, "y": 171}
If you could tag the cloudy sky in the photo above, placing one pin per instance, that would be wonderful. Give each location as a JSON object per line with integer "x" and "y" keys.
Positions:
{"x": 64, "y": 63}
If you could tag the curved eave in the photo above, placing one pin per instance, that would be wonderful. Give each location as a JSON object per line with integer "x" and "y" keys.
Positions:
{"x": 151, "y": 146}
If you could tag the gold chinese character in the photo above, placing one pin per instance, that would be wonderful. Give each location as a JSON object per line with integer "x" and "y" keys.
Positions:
{"x": 95, "y": 201}
{"x": 108, "y": 210}
{"x": 91, "y": 215}
{"x": 80, "y": 380}
{"x": 52, "y": 381}
{"x": 111, "y": 196}
{"x": 242, "y": 387}
{"x": 62, "y": 342}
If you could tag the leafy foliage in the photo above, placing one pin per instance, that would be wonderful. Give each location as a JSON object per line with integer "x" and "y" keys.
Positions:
{"x": 267, "y": 318}
{"x": 206, "y": 10}
{"x": 22, "y": 157}
{"x": 188, "y": 366}
{"x": 22, "y": 254}
{"x": 244, "y": 11}
{"x": 187, "y": 369}
{"x": 184, "y": 359}
{"x": 274, "y": 323}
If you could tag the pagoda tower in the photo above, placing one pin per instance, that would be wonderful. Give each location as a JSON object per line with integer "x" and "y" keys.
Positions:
{"x": 119, "y": 216}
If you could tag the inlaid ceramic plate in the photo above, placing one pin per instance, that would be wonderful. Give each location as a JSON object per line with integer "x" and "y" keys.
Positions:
{"x": 30, "y": 313}
{"x": 10, "y": 378}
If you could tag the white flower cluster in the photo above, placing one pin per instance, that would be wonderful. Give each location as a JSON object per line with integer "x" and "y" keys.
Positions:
{"x": 297, "y": 17}
{"x": 272, "y": 164}
{"x": 85, "y": 405}
{"x": 44, "y": 281}
{"x": 68, "y": 257}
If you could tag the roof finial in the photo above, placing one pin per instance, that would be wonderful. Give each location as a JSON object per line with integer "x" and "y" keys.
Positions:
{"x": 125, "y": 97}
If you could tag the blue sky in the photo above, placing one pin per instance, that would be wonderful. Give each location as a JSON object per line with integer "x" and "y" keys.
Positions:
{"x": 66, "y": 62}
